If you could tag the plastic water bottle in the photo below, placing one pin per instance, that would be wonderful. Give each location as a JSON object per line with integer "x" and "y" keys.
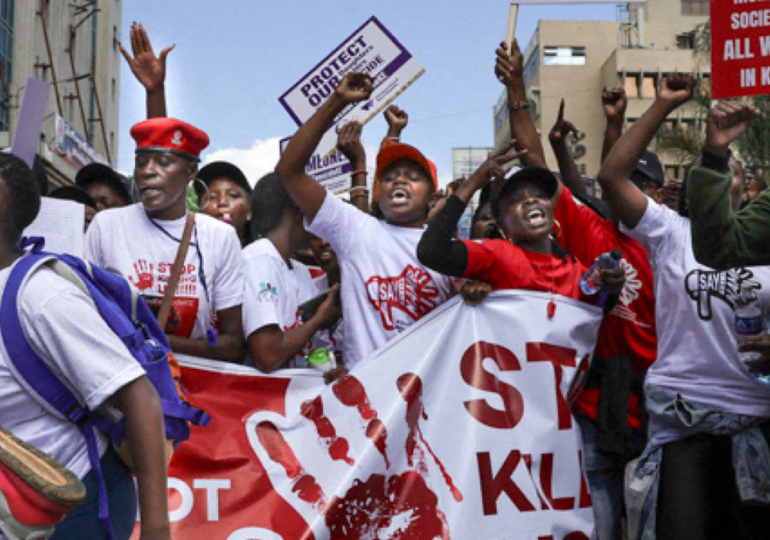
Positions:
{"x": 749, "y": 323}
{"x": 590, "y": 282}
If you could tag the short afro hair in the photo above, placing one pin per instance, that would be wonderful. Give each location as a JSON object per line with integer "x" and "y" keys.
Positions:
{"x": 269, "y": 201}
{"x": 19, "y": 197}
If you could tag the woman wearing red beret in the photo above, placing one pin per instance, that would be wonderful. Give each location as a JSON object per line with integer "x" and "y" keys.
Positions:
{"x": 140, "y": 242}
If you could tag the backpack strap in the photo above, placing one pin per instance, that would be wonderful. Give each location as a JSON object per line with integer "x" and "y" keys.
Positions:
{"x": 39, "y": 377}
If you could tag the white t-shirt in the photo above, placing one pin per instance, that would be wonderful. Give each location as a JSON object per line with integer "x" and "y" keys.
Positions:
{"x": 697, "y": 348}
{"x": 63, "y": 327}
{"x": 273, "y": 293}
{"x": 125, "y": 241}
{"x": 384, "y": 287}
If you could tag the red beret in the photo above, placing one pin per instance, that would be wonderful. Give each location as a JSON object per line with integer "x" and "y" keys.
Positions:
{"x": 170, "y": 135}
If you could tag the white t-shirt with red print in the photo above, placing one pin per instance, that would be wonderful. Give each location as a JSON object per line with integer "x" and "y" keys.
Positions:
{"x": 274, "y": 290}
{"x": 384, "y": 287}
{"x": 125, "y": 241}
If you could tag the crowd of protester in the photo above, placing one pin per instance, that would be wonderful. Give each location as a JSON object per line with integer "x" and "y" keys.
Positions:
{"x": 668, "y": 417}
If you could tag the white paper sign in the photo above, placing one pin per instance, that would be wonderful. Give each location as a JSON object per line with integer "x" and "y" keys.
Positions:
{"x": 61, "y": 223}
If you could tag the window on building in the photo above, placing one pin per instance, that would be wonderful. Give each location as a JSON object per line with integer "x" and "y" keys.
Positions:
{"x": 632, "y": 86}
{"x": 686, "y": 40}
{"x": 695, "y": 7}
{"x": 113, "y": 90}
{"x": 564, "y": 56}
{"x": 672, "y": 172}
{"x": 6, "y": 56}
{"x": 648, "y": 86}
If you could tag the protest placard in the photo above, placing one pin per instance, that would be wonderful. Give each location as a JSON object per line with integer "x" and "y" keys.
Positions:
{"x": 740, "y": 48}
{"x": 371, "y": 49}
{"x": 27, "y": 134}
{"x": 328, "y": 166}
{"x": 458, "y": 428}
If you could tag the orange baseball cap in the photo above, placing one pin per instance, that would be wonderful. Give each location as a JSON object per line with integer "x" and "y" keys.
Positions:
{"x": 390, "y": 153}
{"x": 170, "y": 135}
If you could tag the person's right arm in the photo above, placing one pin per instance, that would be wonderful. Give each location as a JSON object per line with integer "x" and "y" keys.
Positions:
{"x": 509, "y": 69}
{"x": 270, "y": 347}
{"x": 570, "y": 175}
{"x": 626, "y": 201}
{"x": 614, "y": 103}
{"x": 148, "y": 69}
{"x": 349, "y": 143}
{"x": 306, "y": 193}
{"x": 724, "y": 239}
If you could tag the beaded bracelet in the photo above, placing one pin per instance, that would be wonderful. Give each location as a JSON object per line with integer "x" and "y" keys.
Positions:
{"x": 517, "y": 105}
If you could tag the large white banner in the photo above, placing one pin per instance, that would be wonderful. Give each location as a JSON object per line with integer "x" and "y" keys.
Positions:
{"x": 459, "y": 428}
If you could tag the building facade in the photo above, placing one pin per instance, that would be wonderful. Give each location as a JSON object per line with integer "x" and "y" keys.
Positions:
{"x": 73, "y": 46}
{"x": 576, "y": 60}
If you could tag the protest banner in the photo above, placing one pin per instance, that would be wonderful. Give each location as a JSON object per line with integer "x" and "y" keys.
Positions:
{"x": 371, "y": 49}
{"x": 740, "y": 49}
{"x": 459, "y": 428}
{"x": 328, "y": 166}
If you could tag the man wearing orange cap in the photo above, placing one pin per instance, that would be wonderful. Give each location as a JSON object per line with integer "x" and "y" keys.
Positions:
{"x": 140, "y": 242}
{"x": 384, "y": 287}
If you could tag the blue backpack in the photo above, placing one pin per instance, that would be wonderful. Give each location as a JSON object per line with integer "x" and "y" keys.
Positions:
{"x": 126, "y": 313}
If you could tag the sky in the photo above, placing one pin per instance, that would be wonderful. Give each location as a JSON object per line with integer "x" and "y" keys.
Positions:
{"x": 234, "y": 58}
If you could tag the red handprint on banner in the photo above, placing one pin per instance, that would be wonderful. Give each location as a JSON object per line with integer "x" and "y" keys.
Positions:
{"x": 144, "y": 276}
{"x": 388, "y": 503}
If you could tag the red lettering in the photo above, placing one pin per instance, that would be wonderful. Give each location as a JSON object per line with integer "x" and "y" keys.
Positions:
{"x": 492, "y": 485}
{"x": 528, "y": 462}
{"x": 577, "y": 535}
{"x": 558, "y": 357}
{"x": 162, "y": 268}
{"x": 474, "y": 374}
{"x": 546, "y": 482}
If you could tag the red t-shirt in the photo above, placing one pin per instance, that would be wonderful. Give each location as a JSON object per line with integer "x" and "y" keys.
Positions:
{"x": 629, "y": 329}
{"x": 505, "y": 266}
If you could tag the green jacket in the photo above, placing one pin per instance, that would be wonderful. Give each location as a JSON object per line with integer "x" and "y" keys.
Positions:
{"x": 722, "y": 238}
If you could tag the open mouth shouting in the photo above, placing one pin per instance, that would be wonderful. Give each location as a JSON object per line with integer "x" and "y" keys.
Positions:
{"x": 535, "y": 217}
{"x": 399, "y": 195}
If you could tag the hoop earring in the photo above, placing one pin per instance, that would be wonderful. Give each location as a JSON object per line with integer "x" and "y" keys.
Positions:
{"x": 558, "y": 227}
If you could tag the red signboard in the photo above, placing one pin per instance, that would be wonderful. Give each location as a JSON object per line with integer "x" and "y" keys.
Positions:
{"x": 740, "y": 48}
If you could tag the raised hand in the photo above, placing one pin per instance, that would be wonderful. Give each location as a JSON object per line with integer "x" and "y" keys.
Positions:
{"x": 677, "y": 88}
{"x": 148, "y": 69}
{"x": 492, "y": 168}
{"x": 614, "y": 103}
{"x": 509, "y": 65}
{"x": 727, "y": 121}
{"x": 349, "y": 143}
{"x": 397, "y": 118}
{"x": 562, "y": 128}
{"x": 354, "y": 87}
